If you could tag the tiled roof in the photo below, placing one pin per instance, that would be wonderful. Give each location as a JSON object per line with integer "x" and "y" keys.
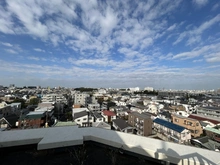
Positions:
{"x": 168, "y": 124}
{"x": 202, "y": 118}
{"x": 122, "y": 124}
{"x": 108, "y": 113}
{"x": 80, "y": 114}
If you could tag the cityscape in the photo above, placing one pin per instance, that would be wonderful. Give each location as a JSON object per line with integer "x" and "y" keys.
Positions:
{"x": 189, "y": 118}
{"x": 110, "y": 82}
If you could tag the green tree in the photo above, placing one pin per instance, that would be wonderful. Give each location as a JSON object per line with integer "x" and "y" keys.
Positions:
{"x": 34, "y": 101}
{"x": 20, "y": 100}
{"x": 100, "y": 101}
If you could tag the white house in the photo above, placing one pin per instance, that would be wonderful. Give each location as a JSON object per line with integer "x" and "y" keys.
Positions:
{"x": 83, "y": 118}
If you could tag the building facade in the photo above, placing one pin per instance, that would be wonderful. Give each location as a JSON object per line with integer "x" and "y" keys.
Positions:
{"x": 209, "y": 111}
{"x": 82, "y": 98}
{"x": 142, "y": 123}
{"x": 192, "y": 125}
{"x": 172, "y": 132}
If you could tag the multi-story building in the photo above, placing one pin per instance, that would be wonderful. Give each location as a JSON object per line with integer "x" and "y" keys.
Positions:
{"x": 171, "y": 131}
{"x": 82, "y": 98}
{"x": 94, "y": 107}
{"x": 142, "y": 123}
{"x": 209, "y": 111}
{"x": 192, "y": 125}
{"x": 58, "y": 98}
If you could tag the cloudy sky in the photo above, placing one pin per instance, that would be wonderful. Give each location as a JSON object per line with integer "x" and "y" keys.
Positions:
{"x": 171, "y": 44}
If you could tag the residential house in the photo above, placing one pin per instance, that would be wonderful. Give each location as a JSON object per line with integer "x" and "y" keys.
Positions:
{"x": 213, "y": 133}
{"x": 191, "y": 124}
{"x": 36, "y": 119}
{"x": 83, "y": 118}
{"x": 9, "y": 121}
{"x": 152, "y": 108}
{"x": 165, "y": 115}
{"x": 5, "y": 111}
{"x": 121, "y": 125}
{"x": 213, "y": 120}
{"x": 16, "y": 107}
{"x": 108, "y": 116}
{"x": 98, "y": 117}
{"x": 171, "y": 131}
{"x": 142, "y": 123}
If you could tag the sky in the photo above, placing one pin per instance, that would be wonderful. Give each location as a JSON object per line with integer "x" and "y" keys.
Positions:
{"x": 164, "y": 44}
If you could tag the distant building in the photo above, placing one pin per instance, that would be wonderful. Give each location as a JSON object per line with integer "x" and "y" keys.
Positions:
{"x": 213, "y": 133}
{"x": 209, "y": 111}
{"x": 171, "y": 94}
{"x": 82, "y": 98}
{"x": 149, "y": 89}
{"x": 58, "y": 98}
{"x": 142, "y": 123}
{"x": 94, "y": 107}
{"x": 213, "y": 120}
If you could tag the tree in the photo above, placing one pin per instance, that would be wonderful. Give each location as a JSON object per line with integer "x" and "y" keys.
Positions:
{"x": 19, "y": 100}
{"x": 100, "y": 101}
{"x": 34, "y": 101}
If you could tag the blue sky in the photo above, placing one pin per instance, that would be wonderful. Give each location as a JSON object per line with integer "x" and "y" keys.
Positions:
{"x": 158, "y": 43}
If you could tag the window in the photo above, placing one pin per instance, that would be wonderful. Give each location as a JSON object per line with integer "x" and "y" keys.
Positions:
{"x": 78, "y": 120}
{"x": 197, "y": 124}
{"x": 176, "y": 120}
{"x": 84, "y": 118}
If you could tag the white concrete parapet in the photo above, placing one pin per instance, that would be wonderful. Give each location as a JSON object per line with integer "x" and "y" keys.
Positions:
{"x": 56, "y": 137}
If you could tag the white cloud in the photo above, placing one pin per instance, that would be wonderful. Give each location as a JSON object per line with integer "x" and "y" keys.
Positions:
{"x": 7, "y": 44}
{"x": 39, "y": 50}
{"x": 213, "y": 57}
{"x": 33, "y": 58}
{"x": 11, "y": 51}
{"x": 172, "y": 27}
{"x": 199, "y": 51}
{"x": 194, "y": 35}
{"x": 200, "y": 3}
{"x": 215, "y": 7}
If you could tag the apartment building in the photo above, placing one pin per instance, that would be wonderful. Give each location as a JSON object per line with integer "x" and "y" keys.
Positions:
{"x": 192, "y": 125}
{"x": 142, "y": 123}
{"x": 82, "y": 98}
{"x": 209, "y": 111}
{"x": 172, "y": 132}
{"x": 58, "y": 98}
{"x": 94, "y": 107}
